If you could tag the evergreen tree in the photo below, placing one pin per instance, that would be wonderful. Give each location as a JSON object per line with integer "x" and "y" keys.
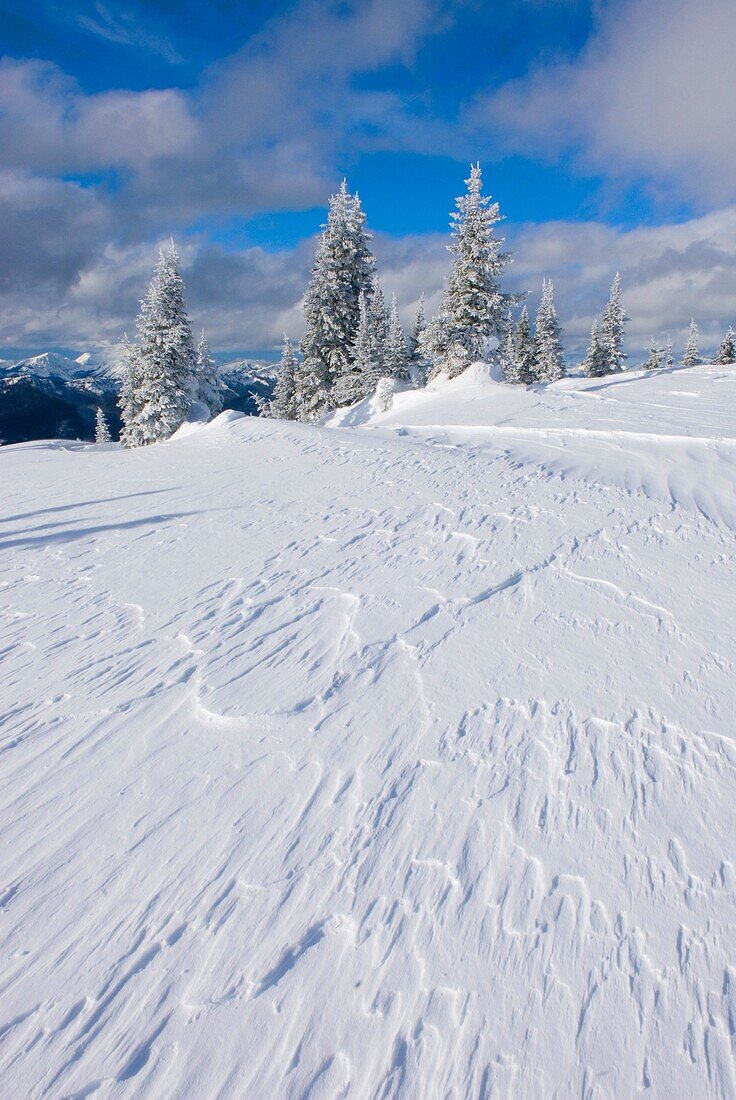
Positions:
{"x": 669, "y": 358}
{"x": 129, "y": 401}
{"x": 158, "y": 389}
{"x": 692, "y": 355}
{"x": 420, "y": 324}
{"x": 378, "y": 325}
{"x": 549, "y": 364}
{"x": 282, "y": 405}
{"x": 343, "y": 269}
{"x": 507, "y": 353}
{"x": 473, "y": 307}
{"x": 613, "y": 329}
{"x": 354, "y": 385}
{"x": 727, "y": 351}
{"x": 596, "y": 361}
{"x": 655, "y": 356}
{"x": 525, "y": 348}
{"x": 102, "y": 432}
{"x": 208, "y": 381}
{"x": 397, "y": 353}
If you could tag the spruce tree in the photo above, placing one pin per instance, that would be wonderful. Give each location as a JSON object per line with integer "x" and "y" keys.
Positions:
{"x": 525, "y": 348}
{"x": 727, "y": 351}
{"x": 343, "y": 269}
{"x": 654, "y": 361}
{"x": 397, "y": 353}
{"x": 669, "y": 358}
{"x": 282, "y": 405}
{"x": 473, "y": 307}
{"x": 613, "y": 329}
{"x": 102, "y": 432}
{"x": 129, "y": 400}
{"x": 208, "y": 381}
{"x": 354, "y": 385}
{"x": 549, "y": 365}
{"x": 507, "y": 357}
{"x": 415, "y": 356}
{"x": 165, "y": 371}
{"x": 596, "y": 361}
{"x": 692, "y": 355}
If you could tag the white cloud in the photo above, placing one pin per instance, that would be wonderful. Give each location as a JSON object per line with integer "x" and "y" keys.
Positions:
{"x": 651, "y": 96}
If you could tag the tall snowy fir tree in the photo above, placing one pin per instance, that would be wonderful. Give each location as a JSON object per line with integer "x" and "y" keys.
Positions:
{"x": 397, "y": 353}
{"x": 282, "y": 405}
{"x": 102, "y": 432}
{"x": 692, "y": 354}
{"x": 473, "y": 307}
{"x": 165, "y": 372}
{"x": 613, "y": 329}
{"x": 209, "y": 386}
{"x": 343, "y": 269}
{"x": 596, "y": 361}
{"x": 654, "y": 360}
{"x": 549, "y": 365}
{"x": 417, "y": 362}
{"x": 727, "y": 350}
{"x": 525, "y": 348}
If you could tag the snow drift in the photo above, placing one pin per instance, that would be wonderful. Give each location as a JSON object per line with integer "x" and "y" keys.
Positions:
{"x": 384, "y": 761}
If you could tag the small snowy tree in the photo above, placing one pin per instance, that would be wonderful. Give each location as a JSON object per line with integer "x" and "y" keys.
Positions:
{"x": 129, "y": 401}
{"x": 525, "y": 348}
{"x": 596, "y": 361}
{"x": 102, "y": 432}
{"x": 354, "y": 385}
{"x": 727, "y": 351}
{"x": 669, "y": 358}
{"x": 417, "y": 362}
{"x": 614, "y": 328}
{"x": 473, "y": 307}
{"x": 654, "y": 360}
{"x": 209, "y": 385}
{"x": 282, "y": 405}
{"x": 163, "y": 376}
{"x": 343, "y": 269}
{"x": 692, "y": 355}
{"x": 397, "y": 353}
{"x": 510, "y": 367}
{"x": 549, "y": 364}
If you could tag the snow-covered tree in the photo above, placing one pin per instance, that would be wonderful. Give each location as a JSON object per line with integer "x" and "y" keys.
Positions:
{"x": 129, "y": 400}
{"x": 343, "y": 269}
{"x": 209, "y": 385}
{"x": 727, "y": 350}
{"x": 692, "y": 355}
{"x": 669, "y": 358}
{"x": 355, "y": 384}
{"x": 397, "y": 353}
{"x": 525, "y": 348}
{"x": 282, "y": 404}
{"x": 473, "y": 308}
{"x": 654, "y": 360}
{"x": 417, "y": 362}
{"x": 102, "y": 432}
{"x": 549, "y": 364}
{"x": 614, "y": 328}
{"x": 510, "y": 367}
{"x": 158, "y": 389}
{"x": 596, "y": 361}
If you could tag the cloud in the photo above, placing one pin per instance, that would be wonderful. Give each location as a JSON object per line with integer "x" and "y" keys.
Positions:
{"x": 650, "y": 96}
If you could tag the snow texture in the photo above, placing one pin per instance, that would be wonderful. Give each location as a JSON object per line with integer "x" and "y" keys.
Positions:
{"x": 381, "y": 761}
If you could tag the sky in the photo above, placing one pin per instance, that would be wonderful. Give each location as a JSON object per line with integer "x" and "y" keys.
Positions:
{"x": 604, "y": 128}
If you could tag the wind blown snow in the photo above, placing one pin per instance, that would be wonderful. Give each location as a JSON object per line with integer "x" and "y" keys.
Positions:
{"x": 390, "y": 759}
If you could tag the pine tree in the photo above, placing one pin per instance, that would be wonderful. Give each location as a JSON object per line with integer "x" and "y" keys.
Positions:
{"x": 343, "y": 269}
{"x": 692, "y": 355}
{"x": 596, "y": 361}
{"x": 727, "y": 351}
{"x": 525, "y": 349}
{"x": 397, "y": 353}
{"x": 102, "y": 432}
{"x": 164, "y": 375}
{"x": 282, "y": 405}
{"x": 129, "y": 401}
{"x": 669, "y": 358}
{"x": 473, "y": 307}
{"x": 613, "y": 329}
{"x": 209, "y": 385}
{"x": 507, "y": 357}
{"x": 354, "y": 385}
{"x": 654, "y": 362}
{"x": 549, "y": 364}
{"x": 378, "y": 324}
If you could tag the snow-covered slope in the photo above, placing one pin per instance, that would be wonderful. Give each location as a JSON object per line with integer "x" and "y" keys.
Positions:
{"x": 387, "y": 763}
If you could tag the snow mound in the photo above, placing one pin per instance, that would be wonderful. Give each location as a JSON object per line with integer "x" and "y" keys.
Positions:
{"x": 344, "y": 762}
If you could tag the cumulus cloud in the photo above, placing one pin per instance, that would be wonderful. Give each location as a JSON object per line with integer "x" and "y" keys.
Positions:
{"x": 651, "y": 96}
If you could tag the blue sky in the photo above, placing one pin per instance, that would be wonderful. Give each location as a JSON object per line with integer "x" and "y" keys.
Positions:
{"x": 601, "y": 126}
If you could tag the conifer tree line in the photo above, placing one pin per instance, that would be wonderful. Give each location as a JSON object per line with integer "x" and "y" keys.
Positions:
{"x": 163, "y": 374}
{"x": 354, "y": 344}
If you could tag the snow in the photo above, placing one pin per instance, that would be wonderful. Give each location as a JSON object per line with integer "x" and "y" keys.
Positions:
{"x": 391, "y": 760}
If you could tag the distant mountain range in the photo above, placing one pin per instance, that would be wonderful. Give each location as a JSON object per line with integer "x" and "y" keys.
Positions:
{"x": 52, "y": 396}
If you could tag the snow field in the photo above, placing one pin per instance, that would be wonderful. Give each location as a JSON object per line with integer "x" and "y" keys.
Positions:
{"x": 382, "y": 762}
